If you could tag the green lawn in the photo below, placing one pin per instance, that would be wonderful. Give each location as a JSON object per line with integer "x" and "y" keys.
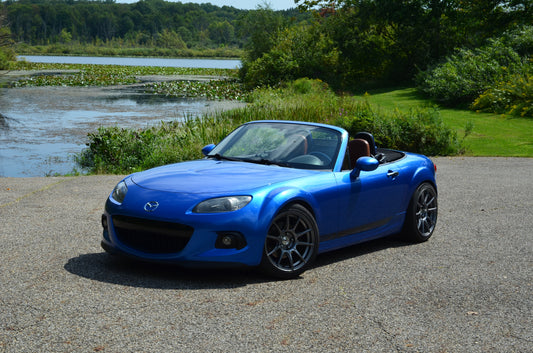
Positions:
{"x": 492, "y": 135}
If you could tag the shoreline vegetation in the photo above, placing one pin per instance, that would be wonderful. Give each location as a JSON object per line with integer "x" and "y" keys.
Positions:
{"x": 398, "y": 118}
{"x": 59, "y": 49}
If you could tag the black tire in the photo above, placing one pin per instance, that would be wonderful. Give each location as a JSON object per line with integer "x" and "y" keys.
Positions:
{"x": 421, "y": 217}
{"x": 291, "y": 243}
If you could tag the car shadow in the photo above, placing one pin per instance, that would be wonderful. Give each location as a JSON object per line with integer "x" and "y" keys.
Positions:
{"x": 328, "y": 258}
{"x": 111, "y": 269}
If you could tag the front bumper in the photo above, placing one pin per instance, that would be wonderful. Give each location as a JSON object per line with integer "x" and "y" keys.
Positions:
{"x": 236, "y": 241}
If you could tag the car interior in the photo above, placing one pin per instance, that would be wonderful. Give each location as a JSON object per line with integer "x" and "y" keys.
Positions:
{"x": 363, "y": 145}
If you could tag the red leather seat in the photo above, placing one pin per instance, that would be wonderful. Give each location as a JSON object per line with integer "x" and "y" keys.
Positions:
{"x": 358, "y": 148}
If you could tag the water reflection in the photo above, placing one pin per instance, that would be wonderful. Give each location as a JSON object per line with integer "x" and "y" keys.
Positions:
{"x": 4, "y": 124}
{"x": 137, "y": 96}
{"x": 43, "y": 127}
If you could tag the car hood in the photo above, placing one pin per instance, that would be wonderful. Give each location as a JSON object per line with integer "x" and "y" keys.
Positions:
{"x": 213, "y": 176}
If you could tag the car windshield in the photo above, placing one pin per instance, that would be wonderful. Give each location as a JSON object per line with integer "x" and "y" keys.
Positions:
{"x": 284, "y": 144}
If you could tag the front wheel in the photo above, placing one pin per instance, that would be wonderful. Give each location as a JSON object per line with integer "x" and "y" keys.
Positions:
{"x": 421, "y": 216}
{"x": 291, "y": 243}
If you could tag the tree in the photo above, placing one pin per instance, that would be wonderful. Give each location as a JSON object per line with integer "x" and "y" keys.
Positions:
{"x": 65, "y": 36}
{"x": 260, "y": 29}
{"x": 170, "y": 39}
{"x": 42, "y": 21}
{"x": 7, "y": 54}
{"x": 302, "y": 51}
{"x": 390, "y": 41}
{"x": 221, "y": 32}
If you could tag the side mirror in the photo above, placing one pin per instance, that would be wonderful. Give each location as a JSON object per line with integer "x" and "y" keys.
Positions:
{"x": 365, "y": 164}
{"x": 207, "y": 149}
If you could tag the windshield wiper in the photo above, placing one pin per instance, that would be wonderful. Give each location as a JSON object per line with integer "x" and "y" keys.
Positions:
{"x": 221, "y": 157}
{"x": 249, "y": 160}
{"x": 266, "y": 162}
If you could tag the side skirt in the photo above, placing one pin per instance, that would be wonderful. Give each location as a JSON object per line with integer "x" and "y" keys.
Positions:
{"x": 361, "y": 234}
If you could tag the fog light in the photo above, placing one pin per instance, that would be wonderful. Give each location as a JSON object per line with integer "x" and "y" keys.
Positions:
{"x": 230, "y": 240}
{"x": 227, "y": 240}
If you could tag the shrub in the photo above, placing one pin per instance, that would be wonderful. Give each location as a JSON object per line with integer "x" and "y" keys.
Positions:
{"x": 7, "y": 58}
{"x": 512, "y": 96}
{"x": 521, "y": 40}
{"x": 468, "y": 73}
{"x": 416, "y": 130}
{"x": 118, "y": 150}
{"x": 494, "y": 78}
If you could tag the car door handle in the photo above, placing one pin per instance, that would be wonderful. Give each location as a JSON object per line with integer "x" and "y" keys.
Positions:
{"x": 392, "y": 174}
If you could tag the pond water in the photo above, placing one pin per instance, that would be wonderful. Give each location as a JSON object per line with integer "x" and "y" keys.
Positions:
{"x": 43, "y": 127}
{"x": 162, "y": 62}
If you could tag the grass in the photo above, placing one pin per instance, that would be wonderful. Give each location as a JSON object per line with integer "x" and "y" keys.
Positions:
{"x": 492, "y": 134}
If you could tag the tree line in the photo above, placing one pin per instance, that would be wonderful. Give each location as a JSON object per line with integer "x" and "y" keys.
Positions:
{"x": 146, "y": 23}
{"x": 350, "y": 42}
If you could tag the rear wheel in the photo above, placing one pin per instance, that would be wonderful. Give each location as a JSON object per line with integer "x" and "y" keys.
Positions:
{"x": 291, "y": 243}
{"x": 421, "y": 217}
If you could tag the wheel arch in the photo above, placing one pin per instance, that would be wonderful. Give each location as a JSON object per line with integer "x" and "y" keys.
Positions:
{"x": 300, "y": 202}
{"x": 423, "y": 174}
{"x": 283, "y": 198}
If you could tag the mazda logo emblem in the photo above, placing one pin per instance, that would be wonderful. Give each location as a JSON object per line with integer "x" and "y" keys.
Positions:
{"x": 151, "y": 206}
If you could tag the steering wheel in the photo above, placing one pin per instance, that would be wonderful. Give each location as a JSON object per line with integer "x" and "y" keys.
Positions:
{"x": 322, "y": 156}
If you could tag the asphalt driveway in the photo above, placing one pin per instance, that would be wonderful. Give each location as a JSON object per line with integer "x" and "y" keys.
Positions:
{"x": 469, "y": 289}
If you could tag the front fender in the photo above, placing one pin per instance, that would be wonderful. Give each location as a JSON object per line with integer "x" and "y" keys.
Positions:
{"x": 278, "y": 198}
{"x": 424, "y": 173}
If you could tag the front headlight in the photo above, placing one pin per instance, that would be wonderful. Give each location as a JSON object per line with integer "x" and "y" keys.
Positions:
{"x": 222, "y": 204}
{"x": 119, "y": 192}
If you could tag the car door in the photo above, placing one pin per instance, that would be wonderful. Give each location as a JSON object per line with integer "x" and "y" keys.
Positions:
{"x": 371, "y": 200}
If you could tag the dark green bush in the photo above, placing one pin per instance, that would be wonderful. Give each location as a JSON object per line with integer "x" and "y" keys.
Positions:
{"x": 514, "y": 96}
{"x": 481, "y": 74}
{"x": 417, "y": 130}
{"x": 521, "y": 40}
{"x": 6, "y": 58}
{"x": 468, "y": 73}
{"x": 302, "y": 51}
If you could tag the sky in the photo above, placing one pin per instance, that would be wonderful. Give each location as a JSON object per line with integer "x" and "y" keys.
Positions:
{"x": 240, "y": 4}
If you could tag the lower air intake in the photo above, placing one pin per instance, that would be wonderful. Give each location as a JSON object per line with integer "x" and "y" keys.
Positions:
{"x": 154, "y": 237}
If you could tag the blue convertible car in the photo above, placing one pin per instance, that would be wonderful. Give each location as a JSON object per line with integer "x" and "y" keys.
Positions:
{"x": 272, "y": 194}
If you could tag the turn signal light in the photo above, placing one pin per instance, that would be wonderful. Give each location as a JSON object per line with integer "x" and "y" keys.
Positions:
{"x": 104, "y": 221}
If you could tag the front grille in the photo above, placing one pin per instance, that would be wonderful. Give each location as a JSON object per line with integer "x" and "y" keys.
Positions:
{"x": 152, "y": 237}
